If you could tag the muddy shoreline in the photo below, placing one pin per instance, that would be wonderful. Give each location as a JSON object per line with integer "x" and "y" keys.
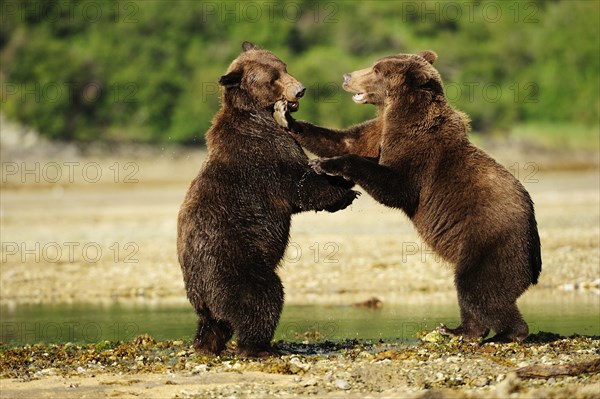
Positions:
{"x": 546, "y": 365}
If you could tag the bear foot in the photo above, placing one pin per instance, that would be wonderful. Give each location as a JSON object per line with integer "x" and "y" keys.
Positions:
{"x": 203, "y": 349}
{"x": 466, "y": 333}
{"x": 260, "y": 352}
{"x": 207, "y": 349}
{"x": 507, "y": 337}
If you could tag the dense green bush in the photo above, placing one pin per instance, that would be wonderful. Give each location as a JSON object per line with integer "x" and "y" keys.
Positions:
{"x": 147, "y": 70}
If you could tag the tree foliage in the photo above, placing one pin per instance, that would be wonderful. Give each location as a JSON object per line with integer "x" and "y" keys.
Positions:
{"x": 147, "y": 70}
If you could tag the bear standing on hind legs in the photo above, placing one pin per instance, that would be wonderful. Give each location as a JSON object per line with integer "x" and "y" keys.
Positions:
{"x": 233, "y": 226}
{"x": 467, "y": 207}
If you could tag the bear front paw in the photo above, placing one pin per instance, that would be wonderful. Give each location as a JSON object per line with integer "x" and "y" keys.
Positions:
{"x": 327, "y": 166}
{"x": 279, "y": 114}
{"x": 345, "y": 202}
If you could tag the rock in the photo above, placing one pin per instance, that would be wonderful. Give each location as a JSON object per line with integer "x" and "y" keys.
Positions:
{"x": 341, "y": 384}
{"x": 296, "y": 365}
{"x": 371, "y": 303}
{"x": 481, "y": 382}
{"x": 309, "y": 383}
{"x": 201, "y": 368}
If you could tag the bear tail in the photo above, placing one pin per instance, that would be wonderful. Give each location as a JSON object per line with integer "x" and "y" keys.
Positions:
{"x": 535, "y": 254}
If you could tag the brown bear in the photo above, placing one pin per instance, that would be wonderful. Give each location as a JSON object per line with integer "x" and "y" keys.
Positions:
{"x": 234, "y": 223}
{"x": 467, "y": 207}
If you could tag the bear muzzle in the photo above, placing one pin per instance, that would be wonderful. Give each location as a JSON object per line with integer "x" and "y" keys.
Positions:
{"x": 296, "y": 91}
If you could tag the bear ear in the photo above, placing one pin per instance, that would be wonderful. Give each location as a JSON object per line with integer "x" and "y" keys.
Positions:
{"x": 430, "y": 56}
{"x": 420, "y": 78}
{"x": 231, "y": 79}
{"x": 417, "y": 76}
{"x": 249, "y": 46}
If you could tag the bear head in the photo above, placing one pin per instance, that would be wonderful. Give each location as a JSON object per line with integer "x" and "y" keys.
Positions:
{"x": 257, "y": 79}
{"x": 397, "y": 77}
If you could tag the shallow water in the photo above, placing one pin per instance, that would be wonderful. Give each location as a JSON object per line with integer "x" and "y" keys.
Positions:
{"x": 563, "y": 313}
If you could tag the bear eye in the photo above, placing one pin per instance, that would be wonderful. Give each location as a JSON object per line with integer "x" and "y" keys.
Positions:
{"x": 274, "y": 78}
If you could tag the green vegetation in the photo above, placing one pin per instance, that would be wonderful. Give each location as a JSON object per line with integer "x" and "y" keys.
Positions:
{"x": 147, "y": 70}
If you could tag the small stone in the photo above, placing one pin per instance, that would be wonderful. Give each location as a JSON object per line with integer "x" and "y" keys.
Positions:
{"x": 568, "y": 287}
{"x": 308, "y": 383}
{"x": 201, "y": 368}
{"x": 81, "y": 370}
{"x": 297, "y": 363}
{"x": 341, "y": 384}
{"x": 481, "y": 382}
{"x": 48, "y": 371}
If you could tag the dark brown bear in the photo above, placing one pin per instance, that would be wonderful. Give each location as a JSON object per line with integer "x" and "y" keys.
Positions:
{"x": 466, "y": 206}
{"x": 234, "y": 223}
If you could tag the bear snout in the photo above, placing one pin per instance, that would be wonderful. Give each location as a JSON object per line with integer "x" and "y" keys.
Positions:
{"x": 294, "y": 91}
{"x": 300, "y": 92}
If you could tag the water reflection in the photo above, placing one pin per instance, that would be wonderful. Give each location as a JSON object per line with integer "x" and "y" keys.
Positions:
{"x": 564, "y": 314}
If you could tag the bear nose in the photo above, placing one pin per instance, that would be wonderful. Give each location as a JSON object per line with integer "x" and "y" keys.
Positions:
{"x": 300, "y": 92}
{"x": 346, "y": 77}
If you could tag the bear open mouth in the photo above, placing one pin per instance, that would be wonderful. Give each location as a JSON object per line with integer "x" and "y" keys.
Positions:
{"x": 359, "y": 98}
{"x": 293, "y": 106}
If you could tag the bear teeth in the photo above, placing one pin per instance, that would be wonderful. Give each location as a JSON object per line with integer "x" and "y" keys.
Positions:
{"x": 359, "y": 97}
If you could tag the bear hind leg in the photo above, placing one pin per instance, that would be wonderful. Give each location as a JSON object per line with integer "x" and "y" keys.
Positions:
{"x": 211, "y": 335}
{"x": 254, "y": 334}
{"x": 471, "y": 326}
{"x": 258, "y": 308}
{"x": 508, "y": 324}
{"x": 490, "y": 299}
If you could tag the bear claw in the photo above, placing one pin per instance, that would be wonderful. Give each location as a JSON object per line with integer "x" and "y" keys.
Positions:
{"x": 280, "y": 108}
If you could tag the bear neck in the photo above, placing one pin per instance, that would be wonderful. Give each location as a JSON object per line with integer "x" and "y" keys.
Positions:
{"x": 249, "y": 121}
{"x": 239, "y": 100}
{"x": 416, "y": 114}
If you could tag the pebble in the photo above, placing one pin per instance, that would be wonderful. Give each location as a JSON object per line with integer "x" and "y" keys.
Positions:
{"x": 295, "y": 361}
{"x": 201, "y": 368}
{"x": 309, "y": 383}
{"x": 341, "y": 384}
{"x": 481, "y": 382}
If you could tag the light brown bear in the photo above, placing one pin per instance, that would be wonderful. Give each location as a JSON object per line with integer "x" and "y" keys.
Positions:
{"x": 416, "y": 156}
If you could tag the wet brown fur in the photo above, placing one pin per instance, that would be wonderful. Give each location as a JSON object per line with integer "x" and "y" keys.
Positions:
{"x": 233, "y": 225}
{"x": 465, "y": 205}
